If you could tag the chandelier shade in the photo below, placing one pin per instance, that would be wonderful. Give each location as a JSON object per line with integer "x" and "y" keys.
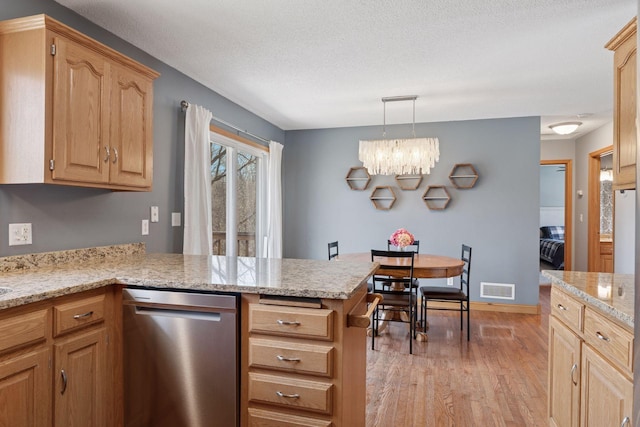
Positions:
{"x": 410, "y": 156}
{"x": 413, "y": 156}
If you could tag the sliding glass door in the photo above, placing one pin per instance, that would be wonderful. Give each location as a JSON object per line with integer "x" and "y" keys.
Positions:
{"x": 238, "y": 191}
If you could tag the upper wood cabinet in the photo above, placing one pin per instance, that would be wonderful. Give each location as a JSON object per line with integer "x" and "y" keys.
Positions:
{"x": 72, "y": 111}
{"x": 624, "y": 107}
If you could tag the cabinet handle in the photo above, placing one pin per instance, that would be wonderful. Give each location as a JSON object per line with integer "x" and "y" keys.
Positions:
{"x": 625, "y": 422}
{"x": 287, "y": 359}
{"x": 602, "y": 337}
{"x": 562, "y": 307}
{"x": 83, "y": 315}
{"x": 107, "y": 154}
{"x": 288, "y": 322}
{"x": 115, "y": 155}
{"x": 573, "y": 371}
{"x": 288, "y": 396}
{"x": 63, "y": 374}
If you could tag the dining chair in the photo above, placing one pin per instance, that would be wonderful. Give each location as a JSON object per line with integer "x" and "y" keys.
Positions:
{"x": 333, "y": 249}
{"x": 415, "y": 246}
{"x": 448, "y": 294}
{"x": 399, "y": 302}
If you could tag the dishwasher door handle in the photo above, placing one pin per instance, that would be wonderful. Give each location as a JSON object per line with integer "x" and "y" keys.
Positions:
{"x": 184, "y": 314}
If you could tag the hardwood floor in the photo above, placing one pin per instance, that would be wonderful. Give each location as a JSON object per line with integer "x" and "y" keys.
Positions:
{"x": 499, "y": 378}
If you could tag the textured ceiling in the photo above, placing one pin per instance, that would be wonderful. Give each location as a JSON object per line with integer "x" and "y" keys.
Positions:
{"x": 305, "y": 64}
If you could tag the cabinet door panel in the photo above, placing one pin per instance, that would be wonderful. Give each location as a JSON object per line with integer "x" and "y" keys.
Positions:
{"x": 25, "y": 390}
{"x": 80, "y": 114}
{"x": 607, "y": 395}
{"x": 132, "y": 129}
{"x": 80, "y": 386}
{"x": 564, "y": 378}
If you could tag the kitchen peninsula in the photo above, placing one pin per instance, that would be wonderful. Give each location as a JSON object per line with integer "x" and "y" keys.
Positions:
{"x": 591, "y": 330}
{"x": 44, "y": 315}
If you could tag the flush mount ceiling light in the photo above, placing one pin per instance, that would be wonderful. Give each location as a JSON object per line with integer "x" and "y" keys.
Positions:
{"x": 411, "y": 156}
{"x": 565, "y": 128}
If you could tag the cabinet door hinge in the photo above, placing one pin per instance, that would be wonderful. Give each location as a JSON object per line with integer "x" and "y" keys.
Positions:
{"x": 53, "y": 50}
{"x": 52, "y": 164}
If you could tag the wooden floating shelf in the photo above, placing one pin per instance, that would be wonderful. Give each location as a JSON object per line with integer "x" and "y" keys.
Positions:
{"x": 383, "y": 198}
{"x": 463, "y": 176}
{"x": 358, "y": 178}
{"x": 436, "y": 197}
{"x": 409, "y": 182}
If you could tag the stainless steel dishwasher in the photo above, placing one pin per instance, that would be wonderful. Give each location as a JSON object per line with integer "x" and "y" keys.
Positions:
{"x": 181, "y": 365}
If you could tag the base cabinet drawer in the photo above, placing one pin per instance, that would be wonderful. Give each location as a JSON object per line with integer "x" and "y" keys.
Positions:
{"x": 308, "y": 395}
{"x": 291, "y": 357}
{"x": 291, "y": 321}
{"x": 565, "y": 308}
{"x": 609, "y": 339}
{"x": 262, "y": 418}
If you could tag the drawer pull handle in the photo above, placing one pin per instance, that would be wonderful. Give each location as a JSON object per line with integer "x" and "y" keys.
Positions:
{"x": 602, "y": 337}
{"x": 287, "y": 359}
{"x": 115, "y": 156}
{"x": 107, "y": 154}
{"x": 63, "y": 375}
{"x": 288, "y": 396}
{"x": 288, "y": 322}
{"x": 562, "y": 307}
{"x": 83, "y": 315}
{"x": 625, "y": 422}
{"x": 573, "y": 371}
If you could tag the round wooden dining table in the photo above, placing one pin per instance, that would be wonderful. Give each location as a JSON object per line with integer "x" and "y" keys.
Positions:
{"x": 425, "y": 266}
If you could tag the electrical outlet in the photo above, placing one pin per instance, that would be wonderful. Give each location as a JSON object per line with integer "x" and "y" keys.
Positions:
{"x": 145, "y": 227}
{"x": 175, "y": 219}
{"x": 154, "y": 214}
{"x": 449, "y": 281}
{"x": 20, "y": 234}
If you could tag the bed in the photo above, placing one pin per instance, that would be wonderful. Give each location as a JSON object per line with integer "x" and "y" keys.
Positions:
{"x": 552, "y": 245}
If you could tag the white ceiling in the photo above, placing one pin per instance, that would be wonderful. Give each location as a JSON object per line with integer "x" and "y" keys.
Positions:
{"x": 306, "y": 64}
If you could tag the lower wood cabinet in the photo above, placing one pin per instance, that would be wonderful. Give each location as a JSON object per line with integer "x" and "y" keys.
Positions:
{"x": 607, "y": 394}
{"x": 80, "y": 371}
{"x": 56, "y": 363}
{"x": 25, "y": 389}
{"x": 590, "y": 366}
{"x": 564, "y": 375}
{"x": 302, "y": 364}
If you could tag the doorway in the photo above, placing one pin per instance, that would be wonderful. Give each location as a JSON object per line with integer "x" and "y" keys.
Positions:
{"x": 564, "y": 166}
{"x": 600, "y": 211}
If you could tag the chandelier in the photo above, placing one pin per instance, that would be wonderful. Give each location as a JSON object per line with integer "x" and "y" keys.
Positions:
{"x": 410, "y": 156}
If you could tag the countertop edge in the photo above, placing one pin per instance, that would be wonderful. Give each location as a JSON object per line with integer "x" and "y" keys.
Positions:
{"x": 592, "y": 301}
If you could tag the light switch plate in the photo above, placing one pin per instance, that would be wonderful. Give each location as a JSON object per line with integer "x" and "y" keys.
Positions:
{"x": 175, "y": 219}
{"x": 154, "y": 214}
{"x": 145, "y": 227}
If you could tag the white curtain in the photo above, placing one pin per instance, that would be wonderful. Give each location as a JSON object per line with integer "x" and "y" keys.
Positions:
{"x": 273, "y": 244}
{"x": 198, "y": 234}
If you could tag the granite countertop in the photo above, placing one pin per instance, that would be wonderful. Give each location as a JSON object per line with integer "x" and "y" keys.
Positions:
{"x": 38, "y": 277}
{"x": 613, "y": 294}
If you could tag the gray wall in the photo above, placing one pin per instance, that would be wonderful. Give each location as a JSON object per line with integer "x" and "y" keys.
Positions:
{"x": 499, "y": 217}
{"x": 551, "y": 186}
{"x": 68, "y": 217}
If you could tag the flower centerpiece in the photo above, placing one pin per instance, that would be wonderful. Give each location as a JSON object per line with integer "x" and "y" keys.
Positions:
{"x": 402, "y": 238}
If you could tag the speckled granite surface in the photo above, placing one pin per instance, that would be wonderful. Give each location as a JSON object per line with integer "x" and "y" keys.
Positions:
{"x": 613, "y": 294}
{"x": 29, "y": 261}
{"x": 290, "y": 277}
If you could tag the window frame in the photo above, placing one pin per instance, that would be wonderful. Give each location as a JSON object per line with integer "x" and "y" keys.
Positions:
{"x": 235, "y": 143}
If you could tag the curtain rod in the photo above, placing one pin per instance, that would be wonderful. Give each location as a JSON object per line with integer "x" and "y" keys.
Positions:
{"x": 184, "y": 105}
